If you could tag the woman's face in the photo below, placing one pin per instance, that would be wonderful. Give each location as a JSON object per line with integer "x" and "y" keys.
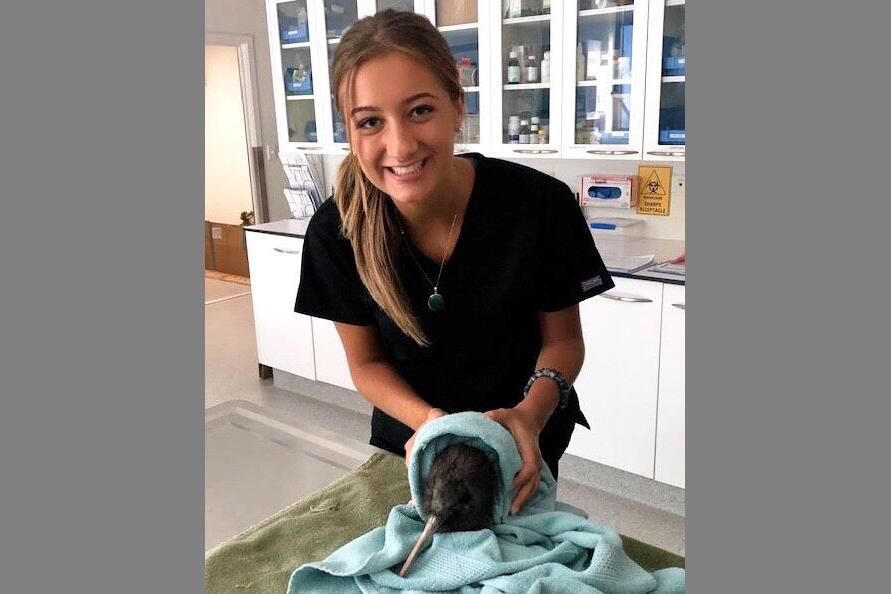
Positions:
{"x": 403, "y": 126}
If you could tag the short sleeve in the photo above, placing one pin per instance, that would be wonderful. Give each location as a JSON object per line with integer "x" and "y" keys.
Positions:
{"x": 330, "y": 286}
{"x": 572, "y": 269}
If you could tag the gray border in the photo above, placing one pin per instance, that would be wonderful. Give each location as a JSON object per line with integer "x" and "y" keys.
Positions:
{"x": 787, "y": 119}
{"x": 101, "y": 435}
{"x": 100, "y": 430}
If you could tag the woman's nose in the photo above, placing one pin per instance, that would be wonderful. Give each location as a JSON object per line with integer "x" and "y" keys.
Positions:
{"x": 401, "y": 143}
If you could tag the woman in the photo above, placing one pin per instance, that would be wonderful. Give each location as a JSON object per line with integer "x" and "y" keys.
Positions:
{"x": 453, "y": 281}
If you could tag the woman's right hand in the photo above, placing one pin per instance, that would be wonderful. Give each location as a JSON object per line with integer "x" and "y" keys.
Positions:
{"x": 433, "y": 413}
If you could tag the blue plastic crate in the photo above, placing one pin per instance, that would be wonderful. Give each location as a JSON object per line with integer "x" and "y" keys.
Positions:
{"x": 303, "y": 88}
{"x": 292, "y": 30}
{"x": 674, "y": 66}
{"x": 672, "y": 137}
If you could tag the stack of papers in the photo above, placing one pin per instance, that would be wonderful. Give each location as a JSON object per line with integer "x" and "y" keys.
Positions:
{"x": 669, "y": 268}
{"x": 626, "y": 264}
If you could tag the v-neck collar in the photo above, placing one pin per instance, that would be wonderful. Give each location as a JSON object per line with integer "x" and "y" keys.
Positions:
{"x": 477, "y": 162}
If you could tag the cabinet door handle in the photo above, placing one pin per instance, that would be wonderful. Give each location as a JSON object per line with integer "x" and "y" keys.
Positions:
{"x": 667, "y": 153}
{"x": 309, "y": 148}
{"x": 680, "y": 306}
{"x": 283, "y": 251}
{"x": 626, "y": 298}
{"x": 610, "y": 152}
{"x": 536, "y": 151}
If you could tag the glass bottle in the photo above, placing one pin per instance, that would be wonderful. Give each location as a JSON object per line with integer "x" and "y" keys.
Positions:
{"x": 531, "y": 70}
{"x": 524, "y": 131}
{"x": 513, "y": 68}
{"x": 546, "y": 68}
{"x": 513, "y": 130}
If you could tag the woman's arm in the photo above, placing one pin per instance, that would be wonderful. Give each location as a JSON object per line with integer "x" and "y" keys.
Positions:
{"x": 563, "y": 349}
{"x": 375, "y": 377}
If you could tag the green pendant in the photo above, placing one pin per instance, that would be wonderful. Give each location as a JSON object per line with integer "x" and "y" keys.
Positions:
{"x": 436, "y": 302}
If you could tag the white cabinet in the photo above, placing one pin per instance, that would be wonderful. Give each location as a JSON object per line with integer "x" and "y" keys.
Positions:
{"x": 284, "y": 338}
{"x": 665, "y": 134}
{"x": 604, "y": 76}
{"x": 331, "y": 361}
{"x": 528, "y": 30}
{"x": 618, "y": 382}
{"x": 670, "y": 434}
{"x": 624, "y": 99}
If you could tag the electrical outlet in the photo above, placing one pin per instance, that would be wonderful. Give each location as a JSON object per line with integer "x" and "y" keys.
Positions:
{"x": 216, "y": 233}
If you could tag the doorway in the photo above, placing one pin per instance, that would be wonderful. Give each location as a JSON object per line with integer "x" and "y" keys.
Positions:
{"x": 233, "y": 160}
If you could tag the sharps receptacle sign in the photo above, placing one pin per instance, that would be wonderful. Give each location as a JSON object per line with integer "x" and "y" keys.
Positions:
{"x": 655, "y": 190}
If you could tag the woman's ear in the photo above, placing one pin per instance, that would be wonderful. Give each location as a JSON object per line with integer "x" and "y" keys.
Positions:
{"x": 459, "y": 110}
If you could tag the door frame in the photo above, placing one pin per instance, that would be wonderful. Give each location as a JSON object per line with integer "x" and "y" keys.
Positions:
{"x": 250, "y": 99}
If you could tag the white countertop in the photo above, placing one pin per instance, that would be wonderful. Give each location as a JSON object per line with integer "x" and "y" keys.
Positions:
{"x": 292, "y": 227}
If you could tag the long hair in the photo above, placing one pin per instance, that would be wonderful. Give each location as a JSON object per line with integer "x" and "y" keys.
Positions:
{"x": 368, "y": 214}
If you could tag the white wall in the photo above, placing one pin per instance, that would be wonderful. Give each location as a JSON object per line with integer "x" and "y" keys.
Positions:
{"x": 227, "y": 182}
{"x": 572, "y": 170}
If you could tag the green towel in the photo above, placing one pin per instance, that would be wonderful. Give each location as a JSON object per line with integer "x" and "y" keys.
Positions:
{"x": 538, "y": 551}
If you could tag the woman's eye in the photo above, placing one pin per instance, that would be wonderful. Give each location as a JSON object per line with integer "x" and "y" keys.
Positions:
{"x": 368, "y": 123}
{"x": 422, "y": 110}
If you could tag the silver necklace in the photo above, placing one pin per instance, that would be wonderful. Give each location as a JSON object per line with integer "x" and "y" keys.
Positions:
{"x": 435, "y": 302}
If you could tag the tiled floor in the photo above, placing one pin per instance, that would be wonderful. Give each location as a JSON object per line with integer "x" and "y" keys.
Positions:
{"x": 632, "y": 505}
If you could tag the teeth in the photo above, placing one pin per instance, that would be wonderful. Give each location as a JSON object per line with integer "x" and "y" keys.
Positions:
{"x": 408, "y": 170}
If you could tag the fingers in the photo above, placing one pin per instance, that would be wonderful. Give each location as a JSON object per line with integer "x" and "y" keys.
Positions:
{"x": 525, "y": 494}
{"x": 409, "y": 446}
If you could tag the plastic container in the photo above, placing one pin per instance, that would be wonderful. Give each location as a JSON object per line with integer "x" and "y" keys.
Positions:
{"x": 616, "y": 227}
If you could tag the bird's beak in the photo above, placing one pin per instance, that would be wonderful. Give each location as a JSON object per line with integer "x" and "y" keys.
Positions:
{"x": 433, "y": 524}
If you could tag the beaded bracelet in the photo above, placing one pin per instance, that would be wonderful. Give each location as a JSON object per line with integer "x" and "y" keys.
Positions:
{"x": 557, "y": 377}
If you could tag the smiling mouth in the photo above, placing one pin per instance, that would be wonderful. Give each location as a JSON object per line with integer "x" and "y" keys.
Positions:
{"x": 408, "y": 171}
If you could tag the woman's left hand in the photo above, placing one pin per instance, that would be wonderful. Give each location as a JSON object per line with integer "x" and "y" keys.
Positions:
{"x": 525, "y": 431}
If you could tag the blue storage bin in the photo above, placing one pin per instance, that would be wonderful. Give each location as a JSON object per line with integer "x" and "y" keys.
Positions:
{"x": 292, "y": 30}
{"x": 302, "y": 88}
{"x": 672, "y": 137}
{"x": 674, "y": 66}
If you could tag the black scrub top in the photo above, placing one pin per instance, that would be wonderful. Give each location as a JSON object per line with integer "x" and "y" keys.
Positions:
{"x": 524, "y": 247}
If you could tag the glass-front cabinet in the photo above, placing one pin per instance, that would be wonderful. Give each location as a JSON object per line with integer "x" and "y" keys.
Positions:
{"x": 297, "y": 93}
{"x": 578, "y": 79}
{"x": 665, "y": 137}
{"x": 526, "y": 56}
{"x": 463, "y": 23}
{"x": 604, "y": 76}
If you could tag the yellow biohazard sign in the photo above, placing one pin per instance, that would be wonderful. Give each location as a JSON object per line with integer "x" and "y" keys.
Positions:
{"x": 655, "y": 190}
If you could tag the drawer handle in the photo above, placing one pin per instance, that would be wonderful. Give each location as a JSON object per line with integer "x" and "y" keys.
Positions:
{"x": 612, "y": 152}
{"x": 626, "y": 298}
{"x": 680, "y": 306}
{"x": 309, "y": 148}
{"x": 536, "y": 151}
{"x": 667, "y": 153}
{"x": 282, "y": 251}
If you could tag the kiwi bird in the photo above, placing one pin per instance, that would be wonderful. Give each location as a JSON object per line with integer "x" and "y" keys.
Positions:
{"x": 459, "y": 495}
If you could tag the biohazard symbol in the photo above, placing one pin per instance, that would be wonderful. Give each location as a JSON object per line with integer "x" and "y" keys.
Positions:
{"x": 654, "y": 185}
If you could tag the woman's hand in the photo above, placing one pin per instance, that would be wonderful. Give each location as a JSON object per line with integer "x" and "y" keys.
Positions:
{"x": 433, "y": 413}
{"x": 525, "y": 429}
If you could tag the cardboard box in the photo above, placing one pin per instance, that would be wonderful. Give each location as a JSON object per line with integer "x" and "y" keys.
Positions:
{"x": 229, "y": 249}
{"x": 615, "y": 191}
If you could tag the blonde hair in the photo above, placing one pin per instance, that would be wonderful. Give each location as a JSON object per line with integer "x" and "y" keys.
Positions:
{"x": 368, "y": 216}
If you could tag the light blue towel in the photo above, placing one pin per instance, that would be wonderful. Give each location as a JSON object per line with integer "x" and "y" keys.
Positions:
{"x": 539, "y": 551}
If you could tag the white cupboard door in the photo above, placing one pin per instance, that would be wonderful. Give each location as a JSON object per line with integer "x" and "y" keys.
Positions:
{"x": 665, "y": 135}
{"x": 331, "y": 361}
{"x": 670, "y": 427}
{"x": 604, "y": 71}
{"x": 618, "y": 382}
{"x": 284, "y": 338}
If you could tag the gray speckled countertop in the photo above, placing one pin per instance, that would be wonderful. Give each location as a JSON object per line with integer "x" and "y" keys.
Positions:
{"x": 663, "y": 249}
